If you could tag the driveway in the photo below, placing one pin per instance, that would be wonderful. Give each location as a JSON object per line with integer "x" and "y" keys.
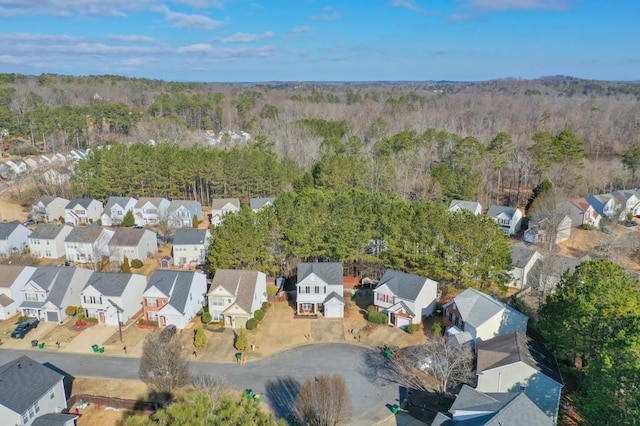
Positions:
{"x": 327, "y": 330}
{"x": 94, "y": 335}
{"x": 277, "y": 378}
{"x": 36, "y": 334}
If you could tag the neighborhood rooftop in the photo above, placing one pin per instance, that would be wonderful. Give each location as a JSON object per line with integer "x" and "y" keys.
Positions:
{"x": 403, "y": 285}
{"x": 190, "y": 236}
{"x": 7, "y": 228}
{"x": 240, "y": 283}
{"x": 84, "y": 202}
{"x": 173, "y": 284}
{"x": 84, "y": 234}
{"x": 109, "y": 283}
{"x": 477, "y": 307}
{"x": 46, "y": 232}
{"x": 127, "y": 237}
{"x": 330, "y": 272}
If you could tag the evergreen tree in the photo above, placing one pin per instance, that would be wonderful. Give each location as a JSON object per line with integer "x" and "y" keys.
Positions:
{"x": 128, "y": 220}
{"x": 242, "y": 341}
{"x": 196, "y": 223}
{"x": 200, "y": 338}
{"x": 125, "y": 265}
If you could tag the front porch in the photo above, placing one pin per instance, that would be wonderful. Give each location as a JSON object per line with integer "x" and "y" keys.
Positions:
{"x": 307, "y": 308}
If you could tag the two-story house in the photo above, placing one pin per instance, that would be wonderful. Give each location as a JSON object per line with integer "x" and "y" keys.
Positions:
{"x": 257, "y": 204}
{"x": 49, "y": 208}
{"x": 221, "y": 207}
{"x": 405, "y": 298}
{"x": 470, "y": 206}
{"x": 509, "y": 219}
{"x": 14, "y": 238}
{"x": 134, "y": 243}
{"x": 82, "y": 210}
{"x": 523, "y": 270}
{"x": 235, "y": 295}
{"x": 174, "y": 297}
{"x": 581, "y": 212}
{"x": 12, "y": 280}
{"x": 605, "y": 205}
{"x": 182, "y": 212}
{"x": 47, "y": 241}
{"x": 150, "y": 211}
{"x": 115, "y": 209}
{"x": 51, "y": 289}
{"x": 113, "y": 298}
{"x": 629, "y": 200}
{"x": 87, "y": 244}
{"x": 29, "y": 392}
{"x": 190, "y": 246}
{"x": 482, "y": 316}
{"x": 320, "y": 284}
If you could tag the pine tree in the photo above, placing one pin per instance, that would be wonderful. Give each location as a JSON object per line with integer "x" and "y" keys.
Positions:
{"x": 125, "y": 265}
{"x": 195, "y": 222}
{"x": 242, "y": 342}
{"x": 199, "y": 338}
{"x": 128, "y": 219}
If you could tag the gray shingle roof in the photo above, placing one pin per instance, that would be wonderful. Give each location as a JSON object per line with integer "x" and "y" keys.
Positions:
{"x": 476, "y": 307}
{"x": 334, "y": 295}
{"x": 188, "y": 204}
{"x": 174, "y": 284}
{"x": 472, "y": 206}
{"x": 240, "y": 283}
{"x": 84, "y": 202}
{"x": 127, "y": 237}
{"x": 495, "y": 211}
{"x": 84, "y": 234}
{"x": 7, "y": 228}
{"x": 521, "y": 255}
{"x": 57, "y": 281}
{"x": 120, "y": 201}
{"x": 109, "y": 283}
{"x": 219, "y": 203}
{"x": 512, "y": 348}
{"x": 53, "y": 419}
{"x": 153, "y": 200}
{"x": 190, "y": 236}
{"x": 47, "y": 232}
{"x": 403, "y": 285}
{"x": 258, "y": 203}
{"x": 329, "y": 272}
{"x": 46, "y": 200}
{"x": 8, "y": 274}
{"x": 5, "y": 300}
{"x": 24, "y": 381}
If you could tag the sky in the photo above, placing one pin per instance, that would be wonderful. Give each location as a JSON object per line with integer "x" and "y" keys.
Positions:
{"x": 312, "y": 40}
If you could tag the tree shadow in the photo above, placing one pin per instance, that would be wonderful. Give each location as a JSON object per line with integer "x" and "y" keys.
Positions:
{"x": 282, "y": 393}
{"x": 377, "y": 369}
{"x": 147, "y": 404}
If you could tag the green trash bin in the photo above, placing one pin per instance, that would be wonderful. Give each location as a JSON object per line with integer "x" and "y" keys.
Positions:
{"x": 101, "y": 349}
{"x": 94, "y": 348}
{"x": 249, "y": 393}
{"x": 256, "y": 398}
{"x": 388, "y": 353}
{"x": 40, "y": 345}
{"x": 394, "y": 409}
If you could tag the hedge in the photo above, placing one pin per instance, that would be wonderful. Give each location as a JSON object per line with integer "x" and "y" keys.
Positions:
{"x": 258, "y": 314}
{"x": 206, "y": 317}
{"x": 252, "y": 323}
{"x": 413, "y": 328}
{"x": 376, "y": 317}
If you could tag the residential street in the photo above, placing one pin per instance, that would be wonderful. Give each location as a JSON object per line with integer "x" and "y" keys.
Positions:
{"x": 276, "y": 377}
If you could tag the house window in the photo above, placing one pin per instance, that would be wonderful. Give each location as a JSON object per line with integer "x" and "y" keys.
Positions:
{"x": 317, "y": 289}
{"x": 307, "y": 289}
{"x": 25, "y": 418}
{"x": 218, "y": 316}
{"x": 36, "y": 406}
{"x": 152, "y": 302}
{"x": 52, "y": 395}
{"x": 153, "y": 316}
{"x": 217, "y": 301}
{"x": 31, "y": 412}
{"x": 48, "y": 253}
{"x": 31, "y": 297}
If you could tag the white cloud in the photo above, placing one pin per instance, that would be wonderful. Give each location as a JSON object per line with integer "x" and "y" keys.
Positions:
{"x": 300, "y": 29}
{"x": 329, "y": 14}
{"x": 184, "y": 20}
{"x": 133, "y": 62}
{"x": 196, "y": 48}
{"x": 494, "y": 5}
{"x": 133, "y": 38}
{"x": 202, "y": 4}
{"x": 208, "y": 51}
{"x": 247, "y": 38}
{"x": 9, "y": 59}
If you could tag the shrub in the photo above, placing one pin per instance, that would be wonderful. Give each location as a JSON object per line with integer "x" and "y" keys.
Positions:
{"x": 137, "y": 263}
{"x": 252, "y": 324}
{"x": 199, "y": 338}
{"x": 206, "y": 317}
{"x": 91, "y": 320}
{"x": 585, "y": 226}
{"x": 81, "y": 315}
{"x": 242, "y": 342}
{"x": 258, "y": 315}
{"x": 265, "y": 306}
{"x": 125, "y": 265}
{"x": 99, "y": 222}
{"x": 413, "y": 328}
{"x": 143, "y": 321}
{"x": 22, "y": 318}
{"x": 437, "y": 329}
{"x": 71, "y": 311}
{"x": 376, "y": 317}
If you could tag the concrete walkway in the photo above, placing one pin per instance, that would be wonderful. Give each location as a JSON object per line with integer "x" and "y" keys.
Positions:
{"x": 97, "y": 334}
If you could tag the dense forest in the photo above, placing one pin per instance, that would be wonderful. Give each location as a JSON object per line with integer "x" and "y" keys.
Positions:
{"x": 491, "y": 141}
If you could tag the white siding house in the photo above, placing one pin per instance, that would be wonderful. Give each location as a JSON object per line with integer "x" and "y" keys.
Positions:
{"x": 235, "y": 296}
{"x": 12, "y": 280}
{"x": 174, "y": 297}
{"x": 190, "y": 246}
{"x": 222, "y": 207}
{"x": 87, "y": 244}
{"x": 133, "y": 243}
{"x": 49, "y": 208}
{"x": 182, "y": 212}
{"x": 150, "y": 211}
{"x": 115, "y": 210}
{"x": 48, "y": 241}
{"x": 112, "y": 297}
{"x": 82, "y": 210}
{"x": 509, "y": 219}
{"x": 319, "y": 283}
{"x": 14, "y": 238}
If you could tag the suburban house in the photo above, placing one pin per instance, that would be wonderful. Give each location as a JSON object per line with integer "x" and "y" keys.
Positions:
{"x": 47, "y": 241}
{"x": 113, "y": 297}
{"x": 87, "y": 244}
{"x": 523, "y": 270}
{"x": 581, "y": 212}
{"x": 18, "y": 167}
{"x": 82, "y": 210}
{"x": 51, "y": 289}
{"x": 548, "y": 231}
{"x": 134, "y": 243}
{"x": 150, "y": 211}
{"x": 115, "y": 209}
{"x": 320, "y": 284}
{"x": 174, "y": 297}
{"x": 30, "y": 390}
{"x": 257, "y": 204}
{"x": 32, "y": 165}
{"x": 405, "y": 298}
{"x": 553, "y": 267}
{"x": 473, "y": 407}
{"x": 182, "y": 212}
{"x": 49, "y": 208}
{"x": 12, "y": 280}
{"x": 14, "y": 238}
{"x": 629, "y": 199}
{"x": 235, "y": 295}
{"x": 221, "y": 207}
{"x": 513, "y": 363}
{"x": 509, "y": 218}
{"x": 605, "y": 205}
{"x": 482, "y": 316}
{"x": 190, "y": 246}
{"x": 459, "y": 205}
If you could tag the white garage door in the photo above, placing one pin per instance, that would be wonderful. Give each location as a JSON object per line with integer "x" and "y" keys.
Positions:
{"x": 402, "y": 321}
{"x": 333, "y": 311}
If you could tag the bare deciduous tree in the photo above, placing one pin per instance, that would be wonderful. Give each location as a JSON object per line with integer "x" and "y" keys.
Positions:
{"x": 215, "y": 387}
{"x": 162, "y": 365}
{"x": 437, "y": 363}
{"x": 324, "y": 401}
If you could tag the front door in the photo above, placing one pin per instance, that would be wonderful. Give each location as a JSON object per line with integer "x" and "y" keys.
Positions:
{"x": 101, "y": 315}
{"x": 162, "y": 321}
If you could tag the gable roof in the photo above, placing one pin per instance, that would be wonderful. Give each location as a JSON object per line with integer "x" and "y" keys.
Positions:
{"x": 512, "y": 348}
{"x": 403, "y": 285}
{"x": 153, "y": 200}
{"x": 188, "y": 204}
{"x": 84, "y": 202}
{"x": 113, "y": 201}
{"x": 334, "y": 295}
{"x": 5, "y": 300}
{"x": 495, "y": 211}
{"x": 7, "y": 228}
{"x": 8, "y": 274}
{"x": 190, "y": 236}
{"x": 47, "y": 232}
{"x": 329, "y": 272}
{"x": 240, "y": 283}
{"x": 24, "y": 381}
{"x": 173, "y": 284}
{"x": 521, "y": 255}
{"x": 219, "y": 203}
{"x": 258, "y": 203}
{"x": 127, "y": 237}
{"x": 47, "y": 199}
{"x": 110, "y": 284}
{"x": 84, "y": 234}
{"x": 476, "y": 307}
{"x": 472, "y": 206}
{"x": 56, "y": 280}
{"x": 53, "y": 419}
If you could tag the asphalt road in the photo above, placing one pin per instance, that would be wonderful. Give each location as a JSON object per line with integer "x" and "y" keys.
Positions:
{"x": 276, "y": 378}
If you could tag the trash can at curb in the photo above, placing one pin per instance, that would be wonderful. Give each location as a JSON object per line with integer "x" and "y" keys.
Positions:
{"x": 40, "y": 345}
{"x": 394, "y": 409}
{"x": 34, "y": 343}
{"x": 101, "y": 349}
{"x": 94, "y": 348}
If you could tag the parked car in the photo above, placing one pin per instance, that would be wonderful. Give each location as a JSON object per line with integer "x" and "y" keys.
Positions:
{"x": 29, "y": 222}
{"x": 24, "y": 327}
{"x": 630, "y": 223}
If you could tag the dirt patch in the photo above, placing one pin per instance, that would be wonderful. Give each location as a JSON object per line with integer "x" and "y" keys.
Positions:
{"x": 64, "y": 333}
{"x": 10, "y": 209}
